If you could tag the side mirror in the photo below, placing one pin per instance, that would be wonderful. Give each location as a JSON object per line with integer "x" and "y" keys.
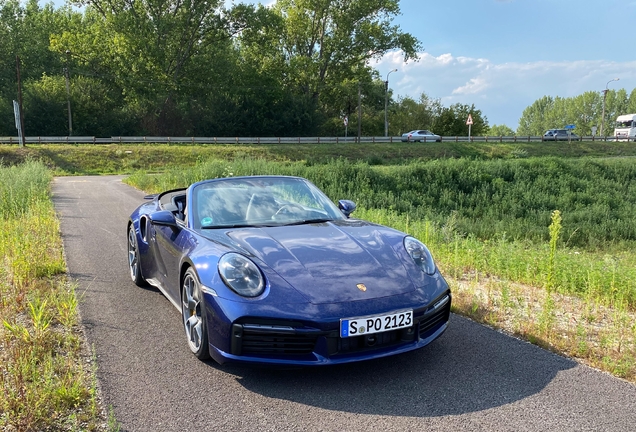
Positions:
{"x": 346, "y": 207}
{"x": 164, "y": 218}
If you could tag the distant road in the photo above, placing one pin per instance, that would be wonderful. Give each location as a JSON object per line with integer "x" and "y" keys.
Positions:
{"x": 471, "y": 379}
{"x": 271, "y": 140}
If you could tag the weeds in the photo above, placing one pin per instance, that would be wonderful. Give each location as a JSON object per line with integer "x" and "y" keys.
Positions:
{"x": 43, "y": 384}
{"x": 555, "y": 230}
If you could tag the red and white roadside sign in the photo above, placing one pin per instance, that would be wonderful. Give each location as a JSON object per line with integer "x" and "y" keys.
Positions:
{"x": 469, "y": 121}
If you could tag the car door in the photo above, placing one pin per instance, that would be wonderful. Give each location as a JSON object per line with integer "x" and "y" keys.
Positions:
{"x": 423, "y": 136}
{"x": 169, "y": 242}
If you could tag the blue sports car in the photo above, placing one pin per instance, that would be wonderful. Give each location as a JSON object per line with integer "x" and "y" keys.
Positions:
{"x": 267, "y": 270}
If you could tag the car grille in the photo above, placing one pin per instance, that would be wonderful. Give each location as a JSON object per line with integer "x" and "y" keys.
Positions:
{"x": 254, "y": 339}
{"x": 373, "y": 341}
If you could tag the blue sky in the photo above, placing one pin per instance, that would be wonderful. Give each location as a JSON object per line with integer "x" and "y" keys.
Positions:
{"x": 502, "y": 55}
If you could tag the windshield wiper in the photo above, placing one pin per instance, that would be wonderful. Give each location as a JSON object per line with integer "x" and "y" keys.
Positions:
{"x": 268, "y": 225}
{"x": 308, "y": 221}
{"x": 241, "y": 225}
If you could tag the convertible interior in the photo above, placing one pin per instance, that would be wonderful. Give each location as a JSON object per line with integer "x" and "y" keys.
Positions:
{"x": 175, "y": 202}
{"x": 236, "y": 206}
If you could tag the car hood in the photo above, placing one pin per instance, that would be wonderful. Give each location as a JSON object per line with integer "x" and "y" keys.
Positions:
{"x": 331, "y": 262}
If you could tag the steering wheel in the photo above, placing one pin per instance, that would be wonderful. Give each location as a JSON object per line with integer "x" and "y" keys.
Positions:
{"x": 286, "y": 208}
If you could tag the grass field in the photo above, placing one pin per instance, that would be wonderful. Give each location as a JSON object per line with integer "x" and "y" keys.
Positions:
{"x": 46, "y": 376}
{"x": 535, "y": 239}
{"x": 127, "y": 158}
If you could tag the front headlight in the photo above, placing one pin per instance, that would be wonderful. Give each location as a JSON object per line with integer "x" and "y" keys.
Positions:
{"x": 420, "y": 254}
{"x": 241, "y": 275}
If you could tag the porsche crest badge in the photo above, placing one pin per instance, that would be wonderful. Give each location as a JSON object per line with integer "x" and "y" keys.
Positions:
{"x": 362, "y": 287}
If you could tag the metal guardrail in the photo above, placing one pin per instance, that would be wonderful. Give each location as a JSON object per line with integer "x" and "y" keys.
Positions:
{"x": 269, "y": 140}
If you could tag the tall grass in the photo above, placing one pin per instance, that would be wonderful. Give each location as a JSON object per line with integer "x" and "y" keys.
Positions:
{"x": 597, "y": 198}
{"x": 73, "y": 159}
{"x": 43, "y": 381}
{"x": 607, "y": 278}
{"x": 21, "y": 187}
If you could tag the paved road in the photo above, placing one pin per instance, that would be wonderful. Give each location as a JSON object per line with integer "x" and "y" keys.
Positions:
{"x": 472, "y": 378}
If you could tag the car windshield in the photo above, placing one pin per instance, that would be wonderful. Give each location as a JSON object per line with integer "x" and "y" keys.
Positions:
{"x": 625, "y": 124}
{"x": 259, "y": 202}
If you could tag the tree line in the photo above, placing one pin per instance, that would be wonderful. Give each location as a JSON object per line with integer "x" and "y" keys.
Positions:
{"x": 584, "y": 111}
{"x": 196, "y": 68}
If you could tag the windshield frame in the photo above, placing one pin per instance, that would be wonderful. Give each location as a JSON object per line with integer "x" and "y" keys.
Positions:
{"x": 627, "y": 124}
{"x": 258, "y": 201}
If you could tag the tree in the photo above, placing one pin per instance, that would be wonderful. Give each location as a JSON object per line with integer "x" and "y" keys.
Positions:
{"x": 96, "y": 108}
{"x": 532, "y": 121}
{"x": 325, "y": 47}
{"x": 584, "y": 111}
{"x": 631, "y": 103}
{"x": 617, "y": 103}
{"x": 408, "y": 114}
{"x": 24, "y": 31}
{"x": 451, "y": 121}
{"x": 150, "y": 48}
{"x": 500, "y": 130}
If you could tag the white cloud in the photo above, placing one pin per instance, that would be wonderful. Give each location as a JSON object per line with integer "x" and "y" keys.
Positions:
{"x": 501, "y": 91}
{"x": 474, "y": 86}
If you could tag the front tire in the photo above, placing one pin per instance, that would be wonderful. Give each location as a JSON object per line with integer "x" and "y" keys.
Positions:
{"x": 133, "y": 258}
{"x": 193, "y": 313}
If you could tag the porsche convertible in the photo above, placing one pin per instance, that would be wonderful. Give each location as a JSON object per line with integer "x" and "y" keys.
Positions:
{"x": 267, "y": 270}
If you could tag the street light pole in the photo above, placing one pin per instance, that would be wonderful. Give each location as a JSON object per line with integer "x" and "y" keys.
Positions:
{"x": 68, "y": 95}
{"x": 605, "y": 97}
{"x": 21, "y": 115}
{"x": 386, "y": 103}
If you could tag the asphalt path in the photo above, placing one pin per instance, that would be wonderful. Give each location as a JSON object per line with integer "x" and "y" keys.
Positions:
{"x": 473, "y": 378}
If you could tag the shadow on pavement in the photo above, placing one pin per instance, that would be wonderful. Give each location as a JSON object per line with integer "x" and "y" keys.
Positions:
{"x": 470, "y": 368}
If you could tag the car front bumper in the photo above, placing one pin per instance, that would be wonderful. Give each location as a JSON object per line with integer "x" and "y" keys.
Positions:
{"x": 292, "y": 343}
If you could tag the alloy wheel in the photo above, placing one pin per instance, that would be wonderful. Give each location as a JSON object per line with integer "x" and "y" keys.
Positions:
{"x": 191, "y": 310}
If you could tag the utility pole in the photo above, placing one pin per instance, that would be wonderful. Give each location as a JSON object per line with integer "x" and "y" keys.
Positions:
{"x": 68, "y": 95}
{"x": 17, "y": 67}
{"x": 386, "y": 103}
{"x": 605, "y": 97}
{"x": 359, "y": 111}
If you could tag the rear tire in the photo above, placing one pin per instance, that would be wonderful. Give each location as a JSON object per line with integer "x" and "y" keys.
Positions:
{"x": 194, "y": 317}
{"x": 134, "y": 263}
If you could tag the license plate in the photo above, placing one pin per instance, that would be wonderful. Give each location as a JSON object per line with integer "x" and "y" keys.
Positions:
{"x": 375, "y": 324}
